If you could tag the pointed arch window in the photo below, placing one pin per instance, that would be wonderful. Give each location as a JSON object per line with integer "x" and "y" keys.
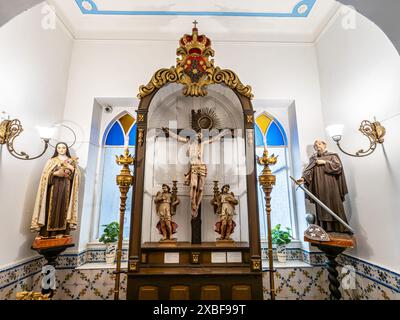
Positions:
{"x": 120, "y": 132}
{"x": 270, "y": 133}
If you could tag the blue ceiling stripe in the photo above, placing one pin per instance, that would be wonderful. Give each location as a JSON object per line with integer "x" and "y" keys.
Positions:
{"x": 294, "y": 14}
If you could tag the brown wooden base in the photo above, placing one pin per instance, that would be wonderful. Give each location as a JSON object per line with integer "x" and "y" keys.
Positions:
{"x": 168, "y": 243}
{"x": 50, "y": 249}
{"x": 338, "y": 243}
{"x": 198, "y": 284}
{"x": 44, "y": 243}
{"x": 195, "y": 275}
{"x": 224, "y": 242}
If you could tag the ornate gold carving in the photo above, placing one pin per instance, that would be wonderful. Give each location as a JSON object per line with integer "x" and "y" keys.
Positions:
{"x": 195, "y": 257}
{"x": 124, "y": 181}
{"x": 267, "y": 181}
{"x": 133, "y": 266}
{"x": 250, "y": 118}
{"x": 375, "y": 133}
{"x": 160, "y": 78}
{"x": 204, "y": 119}
{"x": 4, "y": 132}
{"x": 25, "y": 295}
{"x": 195, "y": 70}
{"x": 9, "y": 131}
{"x": 141, "y": 117}
{"x": 141, "y": 137}
{"x": 256, "y": 264}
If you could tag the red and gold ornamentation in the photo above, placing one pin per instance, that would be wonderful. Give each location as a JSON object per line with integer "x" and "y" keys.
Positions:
{"x": 195, "y": 70}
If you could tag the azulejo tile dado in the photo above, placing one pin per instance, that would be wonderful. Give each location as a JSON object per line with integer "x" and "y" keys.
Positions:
{"x": 370, "y": 281}
{"x": 379, "y": 275}
{"x": 13, "y": 274}
{"x": 298, "y": 284}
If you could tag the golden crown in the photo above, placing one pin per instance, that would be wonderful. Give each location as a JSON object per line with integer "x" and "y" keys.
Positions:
{"x": 195, "y": 43}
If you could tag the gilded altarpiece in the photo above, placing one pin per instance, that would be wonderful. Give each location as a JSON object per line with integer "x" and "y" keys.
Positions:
{"x": 173, "y": 99}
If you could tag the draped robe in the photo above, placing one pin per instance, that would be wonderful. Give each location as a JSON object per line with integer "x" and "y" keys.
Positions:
{"x": 56, "y": 207}
{"x": 327, "y": 182}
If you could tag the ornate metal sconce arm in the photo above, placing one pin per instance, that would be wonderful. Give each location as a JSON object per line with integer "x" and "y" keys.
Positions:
{"x": 375, "y": 133}
{"x": 9, "y": 131}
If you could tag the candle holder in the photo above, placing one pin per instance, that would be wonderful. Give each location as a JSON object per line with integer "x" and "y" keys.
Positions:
{"x": 124, "y": 181}
{"x": 267, "y": 181}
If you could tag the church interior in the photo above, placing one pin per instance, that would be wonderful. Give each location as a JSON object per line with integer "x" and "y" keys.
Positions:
{"x": 213, "y": 151}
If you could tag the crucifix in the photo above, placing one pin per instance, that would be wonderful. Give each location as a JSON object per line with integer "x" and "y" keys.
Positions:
{"x": 195, "y": 24}
{"x": 196, "y": 176}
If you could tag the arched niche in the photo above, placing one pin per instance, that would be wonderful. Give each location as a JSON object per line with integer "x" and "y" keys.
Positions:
{"x": 147, "y": 110}
{"x": 166, "y": 160}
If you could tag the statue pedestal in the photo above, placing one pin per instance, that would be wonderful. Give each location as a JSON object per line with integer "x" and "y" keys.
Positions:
{"x": 224, "y": 243}
{"x": 50, "y": 249}
{"x": 168, "y": 243}
{"x": 338, "y": 243}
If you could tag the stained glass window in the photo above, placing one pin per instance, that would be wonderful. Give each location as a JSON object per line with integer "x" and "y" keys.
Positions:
{"x": 120, "y": 130}
{"x": 271, "y": 134}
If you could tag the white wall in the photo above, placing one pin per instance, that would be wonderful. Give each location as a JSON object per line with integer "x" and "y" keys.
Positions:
{"x": 116, "y": 69}
{"x": 360, "y": 79}
{"x": 34, "y": 66}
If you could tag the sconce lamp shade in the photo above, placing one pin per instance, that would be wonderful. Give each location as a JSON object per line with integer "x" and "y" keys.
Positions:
{"x": 46, "y": 133}
{"x": 335, "y": 131}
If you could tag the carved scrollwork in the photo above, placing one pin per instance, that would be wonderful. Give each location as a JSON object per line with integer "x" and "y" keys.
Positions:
{"x": 160, "y": 78}
{"x": 230, "y": 78}
{"x": 195, "y": 70}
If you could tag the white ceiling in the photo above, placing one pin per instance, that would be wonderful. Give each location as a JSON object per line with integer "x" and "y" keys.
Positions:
{"x": 221, "y": 20}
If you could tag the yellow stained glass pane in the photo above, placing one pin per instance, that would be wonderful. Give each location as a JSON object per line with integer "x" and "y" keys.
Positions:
{"x": 126, "y": 122}
{"x": 264, "y": 122}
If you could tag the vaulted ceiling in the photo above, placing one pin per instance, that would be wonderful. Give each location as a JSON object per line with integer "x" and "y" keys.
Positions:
{"x": 222, "y": 20}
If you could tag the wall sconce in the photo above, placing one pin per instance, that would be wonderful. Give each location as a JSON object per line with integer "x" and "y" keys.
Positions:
{"x": 372, "y": 130}
{"x": 11, "y": 129}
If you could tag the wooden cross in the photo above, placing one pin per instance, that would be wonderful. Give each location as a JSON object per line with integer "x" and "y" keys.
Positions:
{"x": 195, "y": 24}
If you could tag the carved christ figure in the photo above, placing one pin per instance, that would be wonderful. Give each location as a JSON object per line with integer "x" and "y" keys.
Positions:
{"x": 196, "y": 176}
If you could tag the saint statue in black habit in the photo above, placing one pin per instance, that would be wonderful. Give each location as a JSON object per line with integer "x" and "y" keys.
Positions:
{"x": 324, "y": 177}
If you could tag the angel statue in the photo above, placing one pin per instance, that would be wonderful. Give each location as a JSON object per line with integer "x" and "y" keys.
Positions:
{"x": 166, "y": 203}
{"x": 56, "y": 208}
{"x": 224, "y": 203}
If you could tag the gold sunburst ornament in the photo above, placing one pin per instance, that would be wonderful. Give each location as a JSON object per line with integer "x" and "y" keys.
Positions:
{"x": 204, "y": 119}
{"x": 195, "y": 70}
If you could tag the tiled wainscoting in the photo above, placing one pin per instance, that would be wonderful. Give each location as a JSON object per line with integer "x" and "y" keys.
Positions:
{"x": 303, "y": 277}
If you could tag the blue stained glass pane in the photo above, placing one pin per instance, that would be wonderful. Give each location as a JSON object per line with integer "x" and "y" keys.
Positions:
{"x": 282, "y": 131}
{"x": 115, "y": 136}
{"x": 259, "y": 137}
{"x": 132, "y": 136}
{"x": 275, "y": 136}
